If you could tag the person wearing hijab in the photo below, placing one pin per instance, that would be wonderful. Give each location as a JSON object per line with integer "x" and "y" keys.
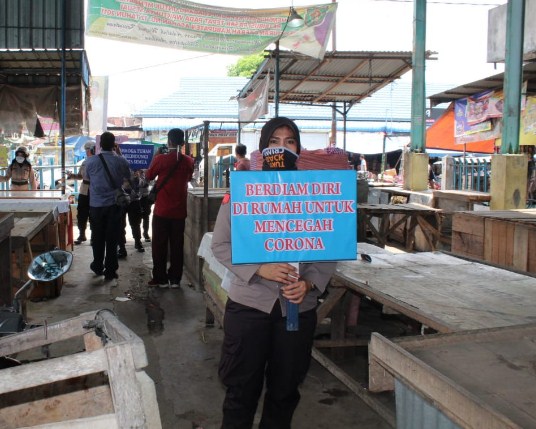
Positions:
{"x": 20, "y": 171}
{"x": 256, "y": 342}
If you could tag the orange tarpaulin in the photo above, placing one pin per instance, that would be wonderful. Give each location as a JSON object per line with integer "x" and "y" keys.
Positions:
{"x": 441, "y": 136}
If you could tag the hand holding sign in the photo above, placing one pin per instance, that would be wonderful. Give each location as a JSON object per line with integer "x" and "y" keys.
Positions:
{"x": 282, "y": 273}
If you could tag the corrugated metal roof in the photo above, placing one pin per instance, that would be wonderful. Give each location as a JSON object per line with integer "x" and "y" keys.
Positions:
{"x": 490, "y": 83}
{"x": 209, "y": 98}
{"x": 31, "y": 41}
{"x": 42, "y": 67}
{"x": 346, "y": 76}
{"x": 37, "y": 24}
{"x": 206, "y": 97}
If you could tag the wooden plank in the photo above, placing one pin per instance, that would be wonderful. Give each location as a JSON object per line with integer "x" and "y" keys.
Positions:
{"x": 215, "y": 306}
{"x": 488, "y": 242}
{"x": 520, "y": 243}
{"x": 531, "y": 254}
{"x": 149, "y": 402}
{"x": 83, "y": 403}
{"x": 383, "y": 411}
{"x": 408, "y": 310}
{"x": 380, "y": 380}
{"x": 119, "y": 333}
{"x": 41, "y": 336}
{"x": 44, "y": 372}
{"x": 467, "y": 245}
{"x": 106, "y": 421}
{"x": 468, "y": 223}
{"x": 334, "y": 296}
{"x": 478, "y": 335}
{"x": 126, "y": 392}
{"x": 6, "y": 224}
{"x": 465, "y": 409}
{"x": 468, "y": 196}
{"x": 343, "y": 342}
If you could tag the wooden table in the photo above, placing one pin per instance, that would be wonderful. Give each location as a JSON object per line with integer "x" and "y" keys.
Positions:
{"x": 439, "y": 291}
{"x": 397, "y": 191}
{"x": 459, "y": 200}
{"x": 478, "y": 379}
{"x": 43, "y": 202}
{"x": 442, "y": 292}
{"x": 27, "y": 226}
{"x": 43, "y": 194}
{"x": 408, "y": 216}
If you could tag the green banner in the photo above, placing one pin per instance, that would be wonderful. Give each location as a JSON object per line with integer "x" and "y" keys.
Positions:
{"x": 192, "y": 26}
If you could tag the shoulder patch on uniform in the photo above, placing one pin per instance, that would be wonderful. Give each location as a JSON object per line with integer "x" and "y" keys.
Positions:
{"x": 226, "y": 198}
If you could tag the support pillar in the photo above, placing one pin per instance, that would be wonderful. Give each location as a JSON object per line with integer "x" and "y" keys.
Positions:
{"x": 508, "y": 182}
{"x": 416, "y": 171}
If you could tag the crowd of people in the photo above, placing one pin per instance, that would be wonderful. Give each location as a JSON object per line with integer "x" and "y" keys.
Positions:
{"x": 102, "y": 176}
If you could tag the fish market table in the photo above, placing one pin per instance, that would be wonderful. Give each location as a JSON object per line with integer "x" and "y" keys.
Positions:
{"x": 477, "y": 379}
{"x": 391, "y": 217}
{"x": 432, "y": 289}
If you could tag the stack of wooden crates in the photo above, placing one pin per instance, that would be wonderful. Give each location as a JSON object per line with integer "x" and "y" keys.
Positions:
{"x": 505, "y": 238}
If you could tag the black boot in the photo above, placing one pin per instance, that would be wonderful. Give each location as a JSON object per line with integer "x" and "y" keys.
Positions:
{"x": 139, "y": 246}
{"x": 146, "y": 236}
{"x": 81, "y": 238}
{"x": 122, "y": 252}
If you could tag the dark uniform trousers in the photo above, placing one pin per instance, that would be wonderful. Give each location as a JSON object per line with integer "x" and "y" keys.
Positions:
{"x": 133, "y": 210}
{"x": 82, "y": 214}
{"x": 257, "y": 344}
{"x": 105, "y": 235}
{"x": 145, "y": 214}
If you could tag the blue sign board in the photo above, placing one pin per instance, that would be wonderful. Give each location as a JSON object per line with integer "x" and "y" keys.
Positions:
{"x": 139, "y": 156}
{"x": 293, "y": 216}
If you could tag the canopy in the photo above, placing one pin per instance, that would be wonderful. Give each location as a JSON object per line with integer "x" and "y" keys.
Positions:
{"x": 441, "y": 136}
{"x": 342, "y": 76}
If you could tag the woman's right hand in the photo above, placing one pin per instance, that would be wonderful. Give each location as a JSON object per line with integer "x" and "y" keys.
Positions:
{"x": 280, "y": 272}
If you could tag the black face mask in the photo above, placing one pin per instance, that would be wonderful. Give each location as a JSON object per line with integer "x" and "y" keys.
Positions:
{"x": 279, "y": 158}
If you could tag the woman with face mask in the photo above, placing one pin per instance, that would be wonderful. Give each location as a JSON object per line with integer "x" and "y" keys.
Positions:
{"x": 20, "y": 171}
{"x": 256, "y": 343}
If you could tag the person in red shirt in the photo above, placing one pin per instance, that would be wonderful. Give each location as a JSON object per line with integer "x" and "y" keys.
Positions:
{"x": 169, "y": 214}
{"x": 242, "y": 162}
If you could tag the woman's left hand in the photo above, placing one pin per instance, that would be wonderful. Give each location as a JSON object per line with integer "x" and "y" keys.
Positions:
{"x": 295, "y": 292}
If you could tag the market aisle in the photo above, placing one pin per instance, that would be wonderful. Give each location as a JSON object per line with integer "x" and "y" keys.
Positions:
{"x": 183, "y": 354}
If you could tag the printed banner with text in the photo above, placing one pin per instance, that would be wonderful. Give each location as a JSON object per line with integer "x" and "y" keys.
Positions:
{"x": 197, "y": 27}
{"x": 293, "y": 216}
{"x": 139, "y": 156}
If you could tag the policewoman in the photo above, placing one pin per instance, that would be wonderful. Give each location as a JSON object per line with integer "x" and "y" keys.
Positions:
{"x": 257, "y": 345}
{"x": 20, "y": 171}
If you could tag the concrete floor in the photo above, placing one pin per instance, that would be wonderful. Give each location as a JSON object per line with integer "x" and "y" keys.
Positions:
{"x": 183, "y": 353}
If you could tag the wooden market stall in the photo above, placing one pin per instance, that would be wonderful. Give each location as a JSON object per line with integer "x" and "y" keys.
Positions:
{"x": 474, "y": 379}
{"x": 505, "y": 237}
{"x": 42, "y": 221}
